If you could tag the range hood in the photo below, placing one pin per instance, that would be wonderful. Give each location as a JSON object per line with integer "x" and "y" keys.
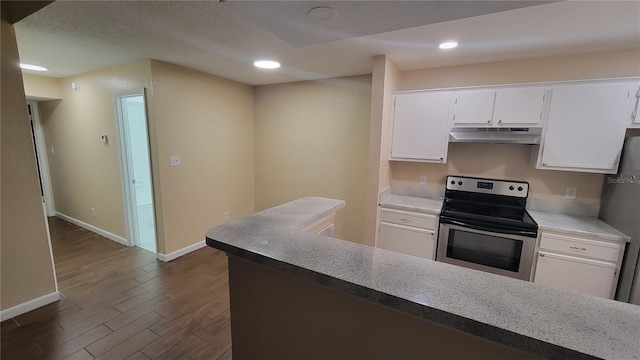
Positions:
{"x": 497, "y": 135}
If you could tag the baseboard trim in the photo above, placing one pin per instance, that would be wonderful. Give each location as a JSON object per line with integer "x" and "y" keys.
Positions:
{"x": 185, "y": 250}
{"x": 97, "y": 230}
{"x": 25, "y": 307}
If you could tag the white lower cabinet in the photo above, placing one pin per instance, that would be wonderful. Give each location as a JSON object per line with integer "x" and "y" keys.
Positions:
{"x": 408, "y": 233}
{"x": 588, "y": 266}
{"x": 581, "y": 275}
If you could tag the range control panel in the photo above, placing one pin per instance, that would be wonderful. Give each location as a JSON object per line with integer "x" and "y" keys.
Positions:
{"x": 488, "y": 186}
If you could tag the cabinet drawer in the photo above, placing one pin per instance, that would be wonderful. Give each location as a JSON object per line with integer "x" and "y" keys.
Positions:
{"x": 579, "y": 246}
{"x": 408, "y": 219}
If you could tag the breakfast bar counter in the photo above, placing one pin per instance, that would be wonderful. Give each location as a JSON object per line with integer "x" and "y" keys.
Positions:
{"x": 274, "y": 264}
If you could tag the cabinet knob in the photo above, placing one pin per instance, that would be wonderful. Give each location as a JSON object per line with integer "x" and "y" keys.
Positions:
{"x": 489, "y": 121}
{"x": 405, "y": 220}
{"x": 541, "y": 255}
{"x": 544, "y": 164}
{"x": 499, "y": 121}
{"x": 441, "y": 159}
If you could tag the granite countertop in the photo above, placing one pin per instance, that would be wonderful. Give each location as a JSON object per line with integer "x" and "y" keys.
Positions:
{"x": 577, "y": 225}
{"x": 411, "y": 203}
{"x": 548, "y": 322}
{"x": 562, "y": 223}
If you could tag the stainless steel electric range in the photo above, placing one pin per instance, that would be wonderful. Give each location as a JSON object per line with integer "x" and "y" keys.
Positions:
{"x": 484, "y": 226}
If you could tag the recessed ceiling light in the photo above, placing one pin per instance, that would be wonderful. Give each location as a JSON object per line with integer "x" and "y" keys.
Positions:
{"x": 33, "y": 67}
{"x": 266, "y": 64}
{"x": 448, "y": 45}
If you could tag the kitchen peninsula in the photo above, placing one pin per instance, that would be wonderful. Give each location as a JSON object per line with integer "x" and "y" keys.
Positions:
{"x": 295, "y": 294}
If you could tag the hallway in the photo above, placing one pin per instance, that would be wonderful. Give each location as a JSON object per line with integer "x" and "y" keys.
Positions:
{"x": 119, "y": 302}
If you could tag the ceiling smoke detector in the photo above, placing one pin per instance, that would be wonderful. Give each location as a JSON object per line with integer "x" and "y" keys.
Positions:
{"x": 322, "y": 13}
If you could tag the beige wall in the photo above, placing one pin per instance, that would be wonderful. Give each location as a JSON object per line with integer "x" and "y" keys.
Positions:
{"x": 500, "y": 161}
{"x": 385, "y": 79}
{"x": 208, "y": 122}
{"x": 512, "y": 161}
{"x": 26, "y": 270}
{"x": 40, "y": 88}
{"x": 599, "y": 65}
{"x": 312, "y": 139}
{"x": 85, "y": 173}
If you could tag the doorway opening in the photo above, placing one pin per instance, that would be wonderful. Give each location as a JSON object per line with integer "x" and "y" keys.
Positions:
{"x": 135, "y": 163}
{"x": 39, "y": 148}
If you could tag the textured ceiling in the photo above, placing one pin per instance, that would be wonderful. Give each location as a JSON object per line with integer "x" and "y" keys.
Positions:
{"x": 293, "y": 22}
{"x": 72, "y": 37}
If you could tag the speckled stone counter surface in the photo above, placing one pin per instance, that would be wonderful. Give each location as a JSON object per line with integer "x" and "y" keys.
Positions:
{"x": 578, "y": 225}
{"x": 561, "y": 223}
{"x": 551, "y": 323}
{"x": 411, "y": 203}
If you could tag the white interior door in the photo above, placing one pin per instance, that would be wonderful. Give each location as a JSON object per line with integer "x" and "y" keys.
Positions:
{"x": 41, "y": 158}
{"x": 136, "y": 168}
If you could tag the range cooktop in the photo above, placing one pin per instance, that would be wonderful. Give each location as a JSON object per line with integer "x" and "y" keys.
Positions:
{"x": 488, "y": 201}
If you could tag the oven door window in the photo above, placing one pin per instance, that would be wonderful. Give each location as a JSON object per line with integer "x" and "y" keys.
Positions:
{"x": 488, "y": 250}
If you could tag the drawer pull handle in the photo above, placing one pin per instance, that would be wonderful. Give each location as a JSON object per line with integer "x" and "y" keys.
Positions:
{"x": 577, "y": 248}
{"x": 404, "y": 220}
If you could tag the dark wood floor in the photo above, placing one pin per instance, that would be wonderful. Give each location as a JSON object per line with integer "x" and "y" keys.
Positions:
{"x": 121, "y": 303}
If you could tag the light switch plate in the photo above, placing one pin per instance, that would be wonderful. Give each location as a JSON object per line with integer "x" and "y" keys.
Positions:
{"x": 570, "y": 193}
{"x": 174, "y": 160}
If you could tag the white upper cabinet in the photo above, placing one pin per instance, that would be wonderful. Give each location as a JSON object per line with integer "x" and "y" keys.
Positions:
{"x": 421, "y": 127}
{"x": 520, "y": 107}
{"x": 585, "y": 127}
{"x": 473, "y": 108}
{"x": 508, "y": 107}
{"x": 632, "y": 111}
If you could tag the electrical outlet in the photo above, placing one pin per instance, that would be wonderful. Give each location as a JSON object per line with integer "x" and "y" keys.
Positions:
{"x": 423, "y": 180}
{"x": 174, "y": 160}
{"x": 93, "y": 212}
{"x": 570, "y": 193}
{"x": 226, "y": 216}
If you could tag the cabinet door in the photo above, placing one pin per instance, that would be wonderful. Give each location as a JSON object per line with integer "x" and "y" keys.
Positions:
{"x": 633, "y": 105}
{"x": 585, "y": 129}
{"x": 520, "y": 107}
{"x": 421, "y": 127}
{"x": 566, "y": 272}
{"x": 473, "y": 107}
{"x": 411, "y": 241}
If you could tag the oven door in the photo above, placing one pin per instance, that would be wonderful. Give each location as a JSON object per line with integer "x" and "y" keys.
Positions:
{"x": 508, "y": 254}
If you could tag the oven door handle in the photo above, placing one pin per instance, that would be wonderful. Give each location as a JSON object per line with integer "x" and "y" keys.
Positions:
{"x": 488, "y": 229}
